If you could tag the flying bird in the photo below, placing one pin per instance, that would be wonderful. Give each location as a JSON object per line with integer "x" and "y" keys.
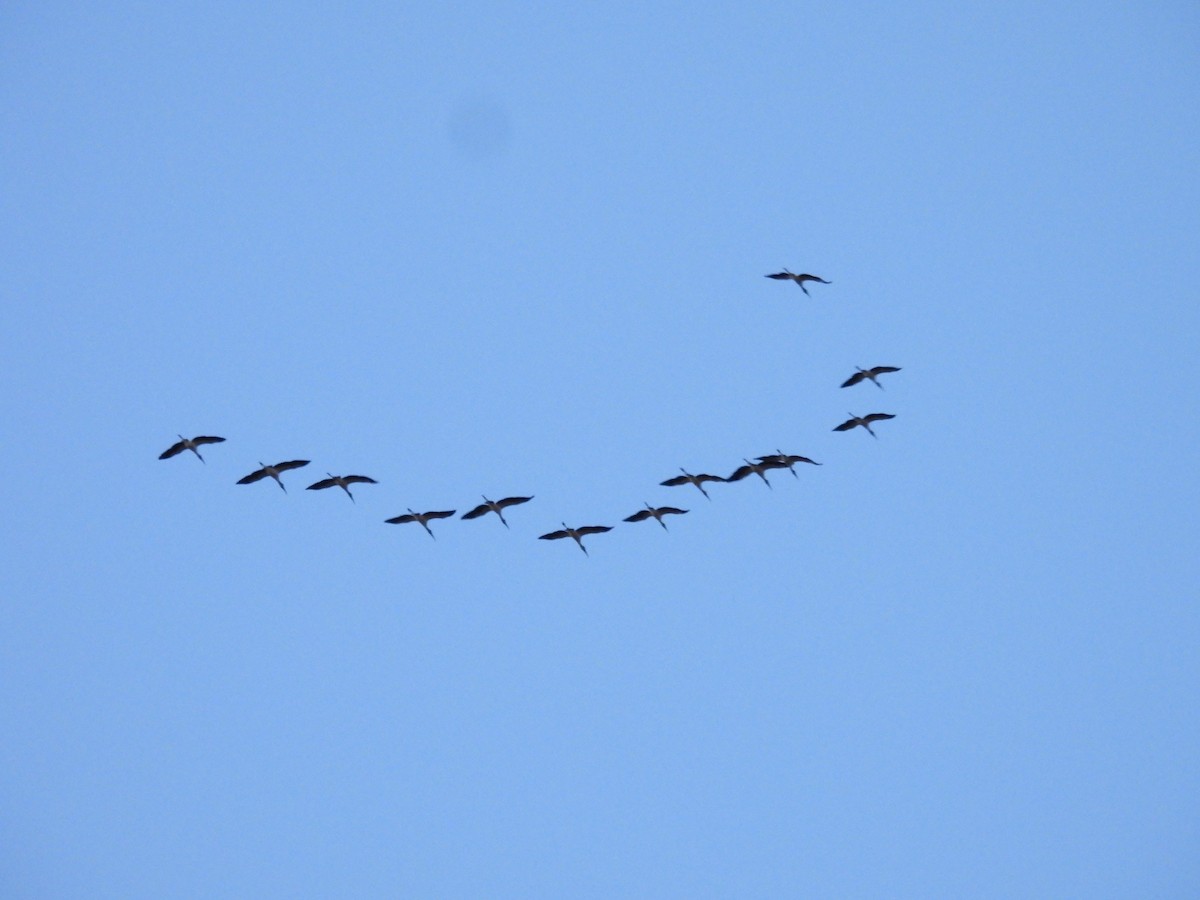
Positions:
{"x": 864, "y": 421}
{"x": 342, "y": 481}
{"x": 688, "y": 478}
{"x": 787, "y": 461}
{"x": 655, "y": 512}
{"x": 872, "y": 374}
{"x": 496, "y": 506}
{"x": 785, "y": 275}
{"x": 272, "y": 471}
{"x": 189, "y": 444}
{"x": 423, "y": 518}
{"x": 757, "y": 468}
{"x": 577, "y": 533}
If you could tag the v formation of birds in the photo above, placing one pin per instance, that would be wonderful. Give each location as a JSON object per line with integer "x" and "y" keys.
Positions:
{"x": 759, "y": 466}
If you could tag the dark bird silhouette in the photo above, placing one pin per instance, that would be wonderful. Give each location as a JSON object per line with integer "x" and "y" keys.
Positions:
{"x": 496, "y": 506}
{"x": 872, "y": 374}
{"x": 272, "y": 471}
{"x": 864, "y": 421}
{"x": 423, "y": 518}
{"x": 785, "y": 275}
{"x": 189, "y": 444}
{"x": 757, "y": 468}
{"x": 342, "y": 481}
{"x": 688, "y": 478}
{"x": 577, "y": 533}
{"x": 655, "y": 512}
{"x": 787, "y": 461}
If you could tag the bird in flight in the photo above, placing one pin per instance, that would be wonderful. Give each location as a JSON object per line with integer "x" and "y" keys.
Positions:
{"x": 873, "y": 373}
{"x": 496, "y": 506}
{"x": 423, "y": 518}
{"x": 757, "y": 468}
{"x": 787, "y": 461}
{"x": 189, "y": 444}
{"x": 864, "y": 421}
{"x": 785, "y": 275}
{"x": 272, "y": 472}
{"x": 688, "y": 478}
{"x": 655, "y": 512}
{"x": 342, "y": 481}
{"x": 577, "y": 533}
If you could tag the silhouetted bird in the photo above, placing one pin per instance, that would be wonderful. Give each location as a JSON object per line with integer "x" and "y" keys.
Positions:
{"x": 864, "y": 421}
{"x": 872, "y": 374}
{"x": 688, "y": 478}
{"x": 785, "y": 275}
{"x": 189, "y": 444}
{"x": 656, "y": 513}
{"x": 757, "y": 468}
{"x": 496, "y": 506}
{"x": 423, "y": 518}
{"x": 342, "y": 481}
{"x": 787, "y": 461}
{"x": 272, "y": 471}
{"x": 577, "y": 533}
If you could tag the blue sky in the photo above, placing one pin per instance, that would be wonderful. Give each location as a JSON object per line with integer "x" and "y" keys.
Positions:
{"x": 519, "y": 249}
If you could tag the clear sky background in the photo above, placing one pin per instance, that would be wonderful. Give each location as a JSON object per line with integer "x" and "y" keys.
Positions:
{"x": 519, "y": 249}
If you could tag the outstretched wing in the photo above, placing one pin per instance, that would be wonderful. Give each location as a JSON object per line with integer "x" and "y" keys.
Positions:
{"x": 675, "y": 482}
{"x": 639, "y": 516}
{"x": 477, "y": 511}
{"x": 878, "y": 417}
{"x": 782, "y": 276}
{"x": 553, "y": 536}
{"x": 257, "y": 475}
{"x": 444, "y": 514}
{"x": 322, "y": 484}
{"x": 854, "y": 379}
{"x": 807, "y": 277}
{"x": 401, "y": 520}
{"x": 207, "y": 439}
{"x": 173, "y": 450}
{"x": 670, "y": 510}
{"x": 594, "y": 529}
{"x": 359, "y": 479}
{"x": 847, "y": 425}
{"x": 291, "y": 464}
{"x": 883, "y": 370}
{"x": 740, "y": 473}
{"x": 512, "y": 501}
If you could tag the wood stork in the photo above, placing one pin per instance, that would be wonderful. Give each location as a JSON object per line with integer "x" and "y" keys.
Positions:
{"x": 423, "y": 518}
{"x": 872, "y": 373}
{"x": 273, "y": 472}
{"x": 757, "y": 468}
{"x": 496, "y": 506}
{"x": 655, "y": 512}
{"x": 688, "y": 478}
{"x": 864, "y": 421}
{"x": 577, "y": 533}
{"x": 787, "y": 461}
{"x": 785, "y": 275}
{"x": 190, "y": 444}
{"x": 342, "y": 481}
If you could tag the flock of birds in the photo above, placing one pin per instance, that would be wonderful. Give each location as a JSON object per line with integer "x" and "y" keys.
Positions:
{"x": 760, "y": 466}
